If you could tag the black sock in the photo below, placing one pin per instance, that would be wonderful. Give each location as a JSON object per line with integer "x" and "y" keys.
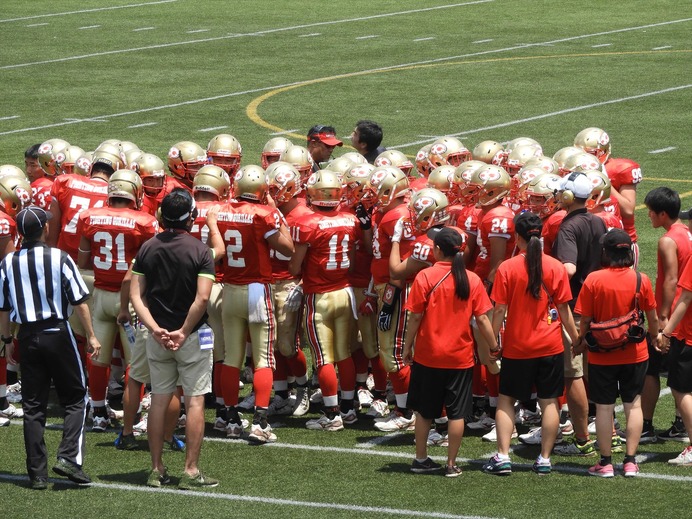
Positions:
{"x": 629, "y": 459}
{"x": 12, "y": 377}
{"x": 4, "y": 404}
{"x": 491, "y": 412}
{"x": 221, "y": 412}
{"x": 331, "y": 412}
{"x": 404, "y": 411}
{"x": 648, "y": 425}
{"x": 346, "y": 405}
{"x": 260, "y": 417}
{"x": 233, "y": 415}
{"x": 283, "y": 393}
{"x": 606, "y": 460}
{"x": 379, "y": 395}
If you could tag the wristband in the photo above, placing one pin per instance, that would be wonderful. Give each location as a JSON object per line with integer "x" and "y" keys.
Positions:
{"x": 667, "y": 336}
{"x": 6, "y": 340}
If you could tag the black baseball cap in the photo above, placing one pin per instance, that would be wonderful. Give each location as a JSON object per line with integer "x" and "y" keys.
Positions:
{"x": 31, "y": 220}
{"x": 616, "y": 239}
{"x": 685, "y": 215}
{"x": 177, "y": 205}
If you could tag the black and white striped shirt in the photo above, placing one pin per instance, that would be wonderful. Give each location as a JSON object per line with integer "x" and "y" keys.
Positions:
{"x": 39, "y": 282}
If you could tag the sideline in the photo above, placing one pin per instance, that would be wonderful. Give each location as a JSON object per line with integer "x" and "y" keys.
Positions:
{"x": 111, "y": 8}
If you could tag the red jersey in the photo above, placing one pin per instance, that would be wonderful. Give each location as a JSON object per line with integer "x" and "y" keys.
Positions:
{"x": 607, "y": 294}
{"x": 8, "y": 228}
{"x": 681, "y": 235}
{"x": 684, "y": 329}
{"x": 245, "y": 227}
{"x": 115, "y": 234}
{"x": 200, "y": 231}
{"x": 382, "y": 230}
{"x": 40, "y": 192}
{"x": 551, "y": 226}
{"x": 466, "y": 217}
{"x": 493, "y": 223}
{"x": 150, "y": 204}
{"x": 445, "y": 339}
{"x": 624, "y": 172}
{"x": 330, "y": 237}
{"x": 610, "y": 220}
{"x": 416, "y": 184}
{"x": 421, "y": 251}
{"x": 74, "y": 194}
{"x": 279, "y": 261}
{"x": 528, "y": 332}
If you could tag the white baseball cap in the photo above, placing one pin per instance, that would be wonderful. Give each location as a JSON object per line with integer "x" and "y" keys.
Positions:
{"x": 578, "y": 183}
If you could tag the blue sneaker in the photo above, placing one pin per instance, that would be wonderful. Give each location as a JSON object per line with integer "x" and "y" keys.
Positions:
{"x": 498, "y": 467}
{"x": 125, "y": 442}
{"x": 176, "y": 444}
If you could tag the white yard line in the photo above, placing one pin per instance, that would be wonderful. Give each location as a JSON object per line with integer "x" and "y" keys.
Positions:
{"x": 89, "y": 27}
{"x": 142, "y": 125}
{"x": 662, "y": 150}
{"x": 7, "y": 118}
{"x": 285, "y": 132}
{"x": 143, "y": 29}
{"x": 425, "y": 39}
{"x": 111, "y": 8}
{"x": 212, "y": 128}
{"x": 37, "y": 24}
{"x": 369, "y": 37}
{"x": 195, "y": 31}
{"x": 309, "y": 35}
{"x": 483, "y": 41}
{"x": 379, "y": 440}
{"x": 664, "y": 47}
{"x": 601, "y": 45}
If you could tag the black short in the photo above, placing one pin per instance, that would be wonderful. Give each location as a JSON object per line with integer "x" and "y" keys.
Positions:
{"x": 680, "y": 366}
{"x": 658, "y": 363}
{"x": 543, "y": 375}
{"x": 607, "y": 382}
{"x": 431, "y": 389}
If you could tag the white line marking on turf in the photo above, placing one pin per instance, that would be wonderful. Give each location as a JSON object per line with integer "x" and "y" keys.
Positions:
{"x": 257, "y": 33}
{"x": 425, "y": 39}
{"x": 379, "y": 440}
{"x": 643, "y": 458}
{"x": 194, "y": 31}
{"x": 143, "y": 29}
{"x": 369, "y": 37}
{"x": 263, "y": 499}
{"x": 285, "y": 132}
{"x": 89, "y": 27}
{"x": 601, "y": 45}
{"x": 86, "y": 11}
{"x": 662, "y": 150}
{"x": 37, "y": 24}
{"x": 142, "y": 125}
{"x": 664, "y": 47}
{"x": 552, "y": 114}
{"x": 212, "y": 128}
{"x": 7, "y": 118}
{"x": 309, "y": 35}
{"x": 483, "y": 41}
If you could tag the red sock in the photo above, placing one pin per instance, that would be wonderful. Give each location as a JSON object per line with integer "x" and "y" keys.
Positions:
{"x": 297, "y": 365}
{"x": 262, "y": 382}
{"x": 81, "y": 348}
{"x": 281, "y": 372}
{"x": 216, "y": 378}
{"x": 479, "y": 387}
{"x": 347, "y": 374}
{"x": 230, "y": 384}
{"x": 379, "y": 374}
{"x": 98, "y": 381}
{"x": 3, "y": 371}
{"x": 360, "y": 361}
{"x": 327, "y": 377}
{"x": 493, "y": 382}
{"x": 16, "y": 357}
{"x": 400, "y": 380}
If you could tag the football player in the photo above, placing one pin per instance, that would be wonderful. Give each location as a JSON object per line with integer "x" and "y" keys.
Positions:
{"x": 225, "y": 151}
{"x": 463, "y": 212}
{"x": 321, "y": 141}
{"x": 155, "y": 182}
{"x": 185, "y": 159}
{"x": 273, "y": 149}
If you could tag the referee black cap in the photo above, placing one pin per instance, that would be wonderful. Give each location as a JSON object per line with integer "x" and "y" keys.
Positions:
{"x": 31, "y": 220}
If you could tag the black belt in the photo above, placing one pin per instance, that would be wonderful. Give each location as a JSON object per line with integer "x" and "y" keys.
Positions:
{"x": 38, "y": 326}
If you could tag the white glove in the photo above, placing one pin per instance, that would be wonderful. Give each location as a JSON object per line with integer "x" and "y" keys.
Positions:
{"x": 398, "y": 231}
{"x": 294, "y": 298}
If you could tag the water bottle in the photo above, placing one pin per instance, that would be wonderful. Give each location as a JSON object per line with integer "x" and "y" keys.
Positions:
{"x": 130, "y": 331}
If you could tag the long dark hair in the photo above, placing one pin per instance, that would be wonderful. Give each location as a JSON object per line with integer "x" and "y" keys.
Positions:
{"x": 529, "y": 226}
{"x": 451, "y": 244}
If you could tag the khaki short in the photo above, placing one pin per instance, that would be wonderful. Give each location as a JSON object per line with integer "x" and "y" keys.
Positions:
{"x": 328, "y": 318}
{"x": 392, "y": 341}
{"x": 364, "y": 332}
{"x": 286, "y": 321}
{"x": 104, "y": 316}
{"x": 75, "y": 323}
{"x": 215, "y": 320}
{"x": 574, "y": 366}
{"x": 139, "y": 365}
{"x": 189, "y": 366}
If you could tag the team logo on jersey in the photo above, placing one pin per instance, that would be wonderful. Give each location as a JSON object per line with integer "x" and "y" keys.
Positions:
{"x": 173, "y": 153}
{"x": 382, "y": 161}
{"x": 23, "y": 195}
{"x": 604, "y": 139}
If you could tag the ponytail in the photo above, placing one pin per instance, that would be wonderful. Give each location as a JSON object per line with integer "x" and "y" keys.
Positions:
{"x": 461, "y": 279}
{"x": 534, "y": 265}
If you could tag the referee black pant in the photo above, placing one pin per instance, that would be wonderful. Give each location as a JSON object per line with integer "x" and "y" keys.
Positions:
{"x": 49, "y": 351}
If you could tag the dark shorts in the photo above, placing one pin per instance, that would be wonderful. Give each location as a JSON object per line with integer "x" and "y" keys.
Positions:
{"x": 543, "y": 375}
{"x": 432, "y": 389}
{"x": 680, "y": 366}
{"x": 607, "y": 382}
{"x": 658, "y": 363}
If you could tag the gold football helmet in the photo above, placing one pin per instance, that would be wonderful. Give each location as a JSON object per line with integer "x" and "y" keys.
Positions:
{"x": 523, "y": 141}
{"x": 340, "y": 166}
{"x": 354, "y": 182}
{"x": 493, "y": 184}
{"x": 112, "y": 142}
{"x": 423, "y": 164}
{"x": 9, "y": 170}
{"x": 562, "y": 155}
{"x": 354, "y": 157}
{"x": 518, "y": 156}
{"x": 427, "y": 208}
{"x": 151, "y": 170}
{"x": 462, "y": 192}
{"x": 82, "y": 165}
{"x": 384, "y": 185}
{"x": 600, "y": 194}
{"x": 541, "y": 195}
{"x": 521, "y": 179}
{"x": 185, "y": 159}
{"x": 125, "y": 183}
{"x": 15, "y": 194}
{"x": 441, "y": 177}
{"x": 547, "y": 164}
{"x": 301, "y": 159}
{"x": 250, "y": 183}
{"x": 283, "y": 181}
{"x": 582, "y": 162}
{"x": 448, "y": 151}
{"x": 212, "y": 179}
{"x": 126, "y": 146}
{"x": 131, "y": 156}
{"x": 225, "y": 151}
{"x": 595, "y": 142}
{"x": 394, "y": 158}
{"x": 490, "y": 152}
{"x": 50, "y": 153}
{"x": 67, "y": 159}
{"x": 273, "y": 149}
{"x": 324, "y": 189}
{"x": 108, "y": 155}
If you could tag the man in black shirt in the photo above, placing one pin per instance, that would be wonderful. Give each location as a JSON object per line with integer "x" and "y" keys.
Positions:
{"x": 366, "y": 139}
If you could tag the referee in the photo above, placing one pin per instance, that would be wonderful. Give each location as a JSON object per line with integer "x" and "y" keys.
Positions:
{"x": 39, "y": 286}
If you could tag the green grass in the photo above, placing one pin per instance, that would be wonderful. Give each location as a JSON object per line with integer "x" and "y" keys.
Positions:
{"x": 415, "y": 89}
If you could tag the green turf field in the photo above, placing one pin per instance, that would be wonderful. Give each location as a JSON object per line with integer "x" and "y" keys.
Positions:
{"x": 157, "y": 72}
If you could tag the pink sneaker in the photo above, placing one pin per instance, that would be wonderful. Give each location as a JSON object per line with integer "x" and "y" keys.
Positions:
{"x": 631, "y": 469}
{"x": 602, "y": 471}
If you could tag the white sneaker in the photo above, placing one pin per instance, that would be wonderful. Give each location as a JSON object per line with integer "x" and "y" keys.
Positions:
{"x": 316, "y": 397}
{"x": 534, "y": 436}
{"x": 248, "y": 403}
{"x": 492, "y": 435}
{"x": 182, "y": 421}
{"x": 14, "y": 393}
{"x": 146, "y": 402}
{"x": 220, "y": 424}
{"x": 233, "y": 430}
{"x": 115, "y": 414}
{"x": 325, "y": 424}
{"x": 259, "y": 435}
{"x": 484, "y": 422}
{"x": 302, "y": 402}
{"x": 349, "y": 418}
{"x": 12, "y": 412}
{"x": 4, "y": 422}
{"x": 280, "y": 407}
{"x": 141, "y": 426}
{"x": 370, "y": 382}
{"x": 526, "y": 417}
{"x": 378, "y": 409}
{"x": 397, "y": 422}
{"x": 437, "y": 439}
{"x": 683, "y": 459}
{"x": 365, "y": 397}
{"x": 100, "y": 424}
